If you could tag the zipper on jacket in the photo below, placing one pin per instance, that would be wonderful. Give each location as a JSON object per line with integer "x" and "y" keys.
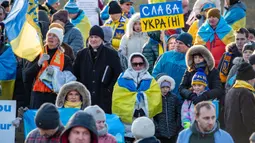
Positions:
{"x": 166, "y": 116}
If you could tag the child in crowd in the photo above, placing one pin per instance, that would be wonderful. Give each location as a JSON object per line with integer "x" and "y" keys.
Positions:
{"x": 169, "y": 121}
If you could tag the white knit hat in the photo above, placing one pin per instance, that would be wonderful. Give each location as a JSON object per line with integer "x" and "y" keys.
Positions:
{"x": 143, "y": 127}
{"x": 96, "y": 112}
{"x": 58, "y": 32}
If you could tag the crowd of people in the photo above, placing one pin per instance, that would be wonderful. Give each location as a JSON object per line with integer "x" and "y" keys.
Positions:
{"x": 194, "y": 84}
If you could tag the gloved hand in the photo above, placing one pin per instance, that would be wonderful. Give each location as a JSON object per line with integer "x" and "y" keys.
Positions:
{"x": 16, "y": 122}
{"x": 186, "y": 125}
{"x": 43, "y": 58}
{"x": 199, "y": 99}
{"x": 50, "y": 70}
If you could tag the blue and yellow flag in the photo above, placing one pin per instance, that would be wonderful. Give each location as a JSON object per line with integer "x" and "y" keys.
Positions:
{"x": 23, "y": 30}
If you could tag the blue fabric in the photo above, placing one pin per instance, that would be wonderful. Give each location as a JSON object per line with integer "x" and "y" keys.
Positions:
{"x": 104, "y": 15}
{"x": 208, "y": 6}
{"x": 8, "y": 65}
{"x": 71, "y": 7}
{"x": 219, "y": 136}
{"x": 173, "y": 64}
{"x": 78, "y": 19}
{"x": 235, "y": 13}
{"x": 207, "y": 33}
{"x": 232, "y": 80}
{"x": 51, "y": 2}
{"x": 115, "y": 127}
{"x": 200, "y": 76}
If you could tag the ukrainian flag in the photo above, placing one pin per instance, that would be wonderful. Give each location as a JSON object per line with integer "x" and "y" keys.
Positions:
{"x": 22, "y": 29}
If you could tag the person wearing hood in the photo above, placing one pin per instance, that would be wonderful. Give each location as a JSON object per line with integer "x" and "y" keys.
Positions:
{"x": 48, "y": 125}
{"x": 50, "y": 6}
{"x": 117, "y": 22}
{"x": 73, "y": 95}
{"x": 171, "y": 42}
{"x": 235, "y": 13}
{"x": 81, "y": 128}
{"x": 136, "y": 93}
{"x": 144, "y": 129}
{"x": 153, "y": 48}
{"x": 239, "y": 105}
{"x": 134, "y": 39}
{"x": 72, "y": 35}
{"x": 102, "y": 128}
{"x": 173, "y": 62}
{"x": 78, "y": 18}
{"x": 215, "y": 33}
{"x": 53, "y": 55}
{"x": 205, "y": 128}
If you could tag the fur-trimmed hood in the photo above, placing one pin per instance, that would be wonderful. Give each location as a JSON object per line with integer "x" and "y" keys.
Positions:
{"x": 130, "y": 31}
{"x": 74, "y": 85}
{"x": 199, "y": 49}
{"x": 167, "y": 78}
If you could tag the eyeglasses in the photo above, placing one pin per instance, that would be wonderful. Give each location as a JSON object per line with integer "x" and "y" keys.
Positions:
{"x": 137, "y": 64}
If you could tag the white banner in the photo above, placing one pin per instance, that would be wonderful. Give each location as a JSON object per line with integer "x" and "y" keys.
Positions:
{"x": 7, "y": 115}
{"x": 90, "y": 6}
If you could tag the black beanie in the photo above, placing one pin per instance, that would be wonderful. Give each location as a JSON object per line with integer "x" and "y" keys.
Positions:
{"x": 47, "y": 117}
{"x": 252, "y": 59}
{"x": 245, "y": 72}
{"x": 248, "y": 46}
{"x": 114, "y": 8}
{"x": 186, "y": 38}
{"x": 98, "y": 31}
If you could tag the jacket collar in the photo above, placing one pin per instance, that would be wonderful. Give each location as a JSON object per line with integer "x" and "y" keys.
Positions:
{"x": 243, "y": 84}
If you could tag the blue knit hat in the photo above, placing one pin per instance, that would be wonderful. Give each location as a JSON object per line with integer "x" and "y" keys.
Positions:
{"x": 71, "y": 7}
{"x": 51, "y": 2}
{"x": 199, "y": 78}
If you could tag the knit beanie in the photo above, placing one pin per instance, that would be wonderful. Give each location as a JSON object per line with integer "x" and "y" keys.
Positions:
{"x": 214, "y": 12}
{"x": 245, "y": 72}
{"x": 107, "y": 33}
{"x": 199, "y": 78}
{"x": 57, "y": 25}
{"x": 143, "y": 127}
{"x": 51, "y": 2}
{"x": 186, "y": 38}
{"x": 98, "y": 31}
{"x": 71, "y": 7}
{"x": 208, "y": 6}
{"x": 58, "y": 32}
{"x": 47, "y": 117}
{"x": 252, "y": 59}
{"x": 124, "y": 1}
{"x": 248, "y": 46}
{"x": 97, "y": 113}
{"x": 114, "y": 8}
{"x": 172, "y": 36}
{"x": 61, "y": 15}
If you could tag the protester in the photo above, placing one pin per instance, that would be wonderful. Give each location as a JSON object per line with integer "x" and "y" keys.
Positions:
{"x": 144, "y": 129}
{"x": 101, "y": 71}
{"x": 73, "y": 95}
{"x": 136, "y": 93}
{"x": 173, "y": 62}
{"x": 168, "y": 122}
{"x": 78, "y": 18}
{"x": 3, "y": 14}
{"x": 235, "y": 13}
{"x": 102, "y": 128}
{"x": 205, "y": 128}
{"x": 50, "y": 6}
{"x": 44, "y": 63}
{"x": 6, "y": 5}
{"x": 48, "y": 125}
{"x": 81, "y": 128}
{"x": 252, "y": 60}
{"x": 153, "y": 48}
{"x": 117, "y": 22}
{"x": 171, "y": 42}
{"x": 251, "y": 34}
{"x": 134, "y": 39}
{"x": 72, "y": 35}
{"x": 240, "y": 99}
{"x": 215, "y": 33}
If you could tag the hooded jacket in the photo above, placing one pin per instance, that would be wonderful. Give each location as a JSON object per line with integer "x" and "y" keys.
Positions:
{"x": 80, "y": 119}
{"x": 71, "y": 86}
{"x": 133, "y": 41}
{"x": 214, "y": 83}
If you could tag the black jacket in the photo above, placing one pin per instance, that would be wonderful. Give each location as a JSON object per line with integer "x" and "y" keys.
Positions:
{"x": 214, "y": 84}
{"x": 91, "y": 71}
{"x": 148, "y": 140}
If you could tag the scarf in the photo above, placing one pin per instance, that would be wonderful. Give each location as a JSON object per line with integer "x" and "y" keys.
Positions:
{"x": 243, "y": 84}
{"x": 69, "y": 104}
{"x": 224, "y": 69}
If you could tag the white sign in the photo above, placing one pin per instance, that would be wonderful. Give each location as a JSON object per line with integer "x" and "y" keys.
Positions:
{"x": 89, "y": 7}
{"x": 7, "y": 115}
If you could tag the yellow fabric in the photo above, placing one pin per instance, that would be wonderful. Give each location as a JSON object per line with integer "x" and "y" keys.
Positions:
{"x": 156, "y": 1}
{"x": 160, "y": 49}
{"x": 7, "y": 89}
{"x": 199, "y": 40}
{"x": 243, "y": 84}
{"x": 84, "y": 26}
{"x": 123, "y": 101}
{"x": 193, "y": 29}
{"x": 239, "y": 24}
{"x": 69, "y": 104}
{"x": 229, "y": 38}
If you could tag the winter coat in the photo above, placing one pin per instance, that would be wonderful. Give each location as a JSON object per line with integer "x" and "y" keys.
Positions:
{"x": 118, "y": 28}
{"x": 220, "y": 136}
{"x": 133, "y": 41}
{"x": 92, "y": 73}
{"x": 148, "y": 140}
{"x": 187, "y": 112}
{"x": 215, "y": 39}
{"x": 81, "y": 119}
{"x": 68, "y": 51}
{"x": 214, "y": 83}
{"x": 153, "y": 49}
{"x": 173, "y": 64}
{"x": 235, "y": 15}
{"x": 73, "y": 37}
{"x": 240, "y": 111}
{"x": 35, "y": 137}
{"x": 108, "y": 138}
{"x": 73, "y": 86}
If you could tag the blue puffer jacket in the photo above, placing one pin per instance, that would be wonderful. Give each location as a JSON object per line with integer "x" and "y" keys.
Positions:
{"x": 105, "y": 13}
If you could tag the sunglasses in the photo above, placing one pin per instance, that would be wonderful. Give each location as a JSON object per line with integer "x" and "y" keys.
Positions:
{"x": 137, "y": 64}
